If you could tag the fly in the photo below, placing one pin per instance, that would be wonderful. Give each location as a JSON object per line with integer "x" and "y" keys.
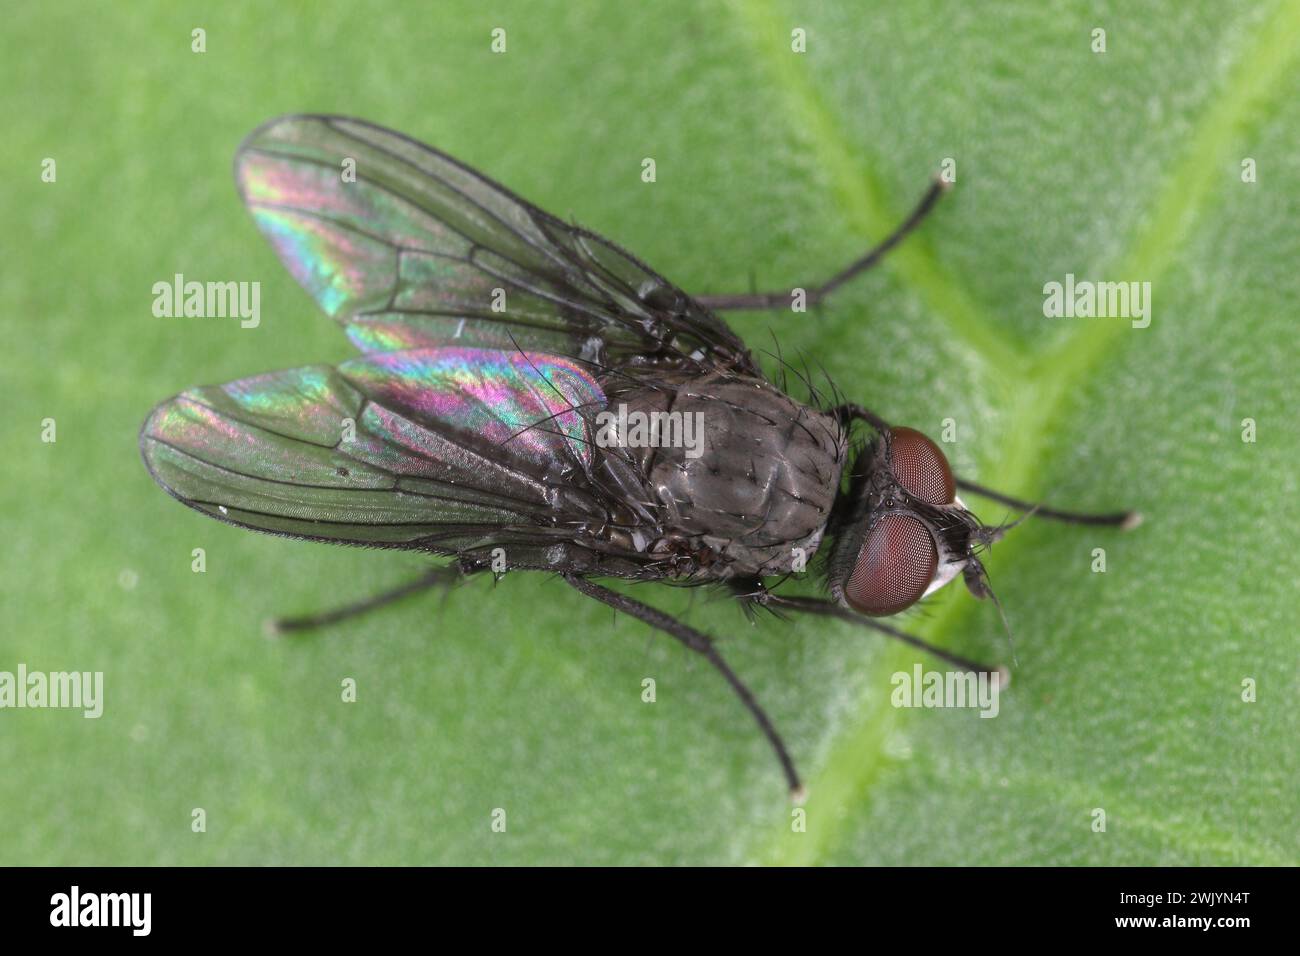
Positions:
{"x": 495, "y": 343}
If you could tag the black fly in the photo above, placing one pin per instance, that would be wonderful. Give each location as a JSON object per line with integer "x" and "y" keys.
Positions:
{"x": 531, "y": 396}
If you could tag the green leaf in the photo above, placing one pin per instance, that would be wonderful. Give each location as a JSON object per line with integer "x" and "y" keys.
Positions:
{"x": 1128, "y": 694}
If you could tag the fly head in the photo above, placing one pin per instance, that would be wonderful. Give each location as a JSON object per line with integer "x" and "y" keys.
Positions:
{"x": 900, "y": 531}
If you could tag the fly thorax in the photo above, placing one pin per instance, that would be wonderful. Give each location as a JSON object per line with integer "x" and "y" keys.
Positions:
{"x": 742, "y": 472}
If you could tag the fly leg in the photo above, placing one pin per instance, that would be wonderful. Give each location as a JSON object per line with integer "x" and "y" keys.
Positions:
{"x": 1124, "y": 520}
{"x": 703, "y": 645}
{"x": 771, "y": 300}
{"x": 849, "y": 412}
{"x": 824, "y": 608}
{"x": 436, "y": 577}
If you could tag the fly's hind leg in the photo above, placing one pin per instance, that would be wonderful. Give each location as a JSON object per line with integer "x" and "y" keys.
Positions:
{"x": 703, "y": 645}
{"x": 816, "y": 293}
{"x": 444, "y": 577}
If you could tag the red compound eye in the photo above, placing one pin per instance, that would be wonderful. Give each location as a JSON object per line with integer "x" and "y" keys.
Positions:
{"x": 920, "y": 467}
{"x": 895, "y": 566}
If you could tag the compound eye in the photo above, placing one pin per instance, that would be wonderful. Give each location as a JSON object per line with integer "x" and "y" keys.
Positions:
{"x": 895, "y": 566}
{"x": 920, "y": 467}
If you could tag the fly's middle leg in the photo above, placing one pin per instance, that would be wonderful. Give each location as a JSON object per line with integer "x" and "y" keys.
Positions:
{"x": 703, "y": 645}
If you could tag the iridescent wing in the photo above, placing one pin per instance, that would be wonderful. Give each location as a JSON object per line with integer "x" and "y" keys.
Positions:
{"x": 407, "y": 248}
{"x": 448, "y": 449}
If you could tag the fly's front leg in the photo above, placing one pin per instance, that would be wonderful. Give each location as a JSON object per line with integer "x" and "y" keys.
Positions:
{"x": 850, "y": 412}
{"x": 1124, "y": 520}
{"x": 437, "y": 577}
{"x": 702, "y": 645}
{"x": 815, "y": 294}
{"x": 824, "y": 608}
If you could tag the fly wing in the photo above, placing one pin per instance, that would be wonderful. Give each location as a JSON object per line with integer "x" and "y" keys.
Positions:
{"x": 446, "y": 449}
{"x": 408, "y": 248}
